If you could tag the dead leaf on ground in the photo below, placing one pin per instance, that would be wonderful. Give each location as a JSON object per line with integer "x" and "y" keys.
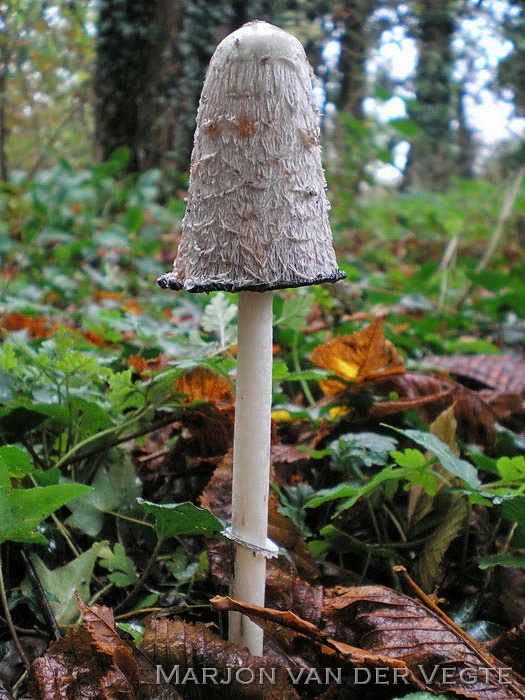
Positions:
{"x": 425, "y": 639}
{"x": 206, "y": 385}
{"x": 509, "y": 647}
{"x": 502, "y": 372}
{"x": 193, "y": 647}
{"x": 91, "y": 661}
{"x": 396, "y": 631}
{"x": 359, "y": 357}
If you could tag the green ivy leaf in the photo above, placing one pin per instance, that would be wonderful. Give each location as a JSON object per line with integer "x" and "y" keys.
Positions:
{"x": 511, "y": 468}
{"x": 61, "y": 583}
{"x": 173, "y": 519}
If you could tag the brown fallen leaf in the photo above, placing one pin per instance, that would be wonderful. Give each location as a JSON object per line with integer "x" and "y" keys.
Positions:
{"x": 396, "y": 631}
{"x": 91, "y": 661}
{"x": 503, "y": 372}
{"x": 359, "y": 357}
{"x": 509, "y": 647}
{"x": 327, "y": 645}
{"x": 427, "y": 640}
{"x": 189, "y": 651}
{"x": 99, "y": 623}
{"x": 204, "y": 384}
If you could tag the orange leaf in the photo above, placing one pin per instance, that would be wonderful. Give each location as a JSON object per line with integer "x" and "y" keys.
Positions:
{"x": 204, "y": 384}
{"x": 362, "y": 356}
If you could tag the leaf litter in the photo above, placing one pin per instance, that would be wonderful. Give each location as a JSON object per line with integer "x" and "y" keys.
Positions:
{"x": 372, "y": 628}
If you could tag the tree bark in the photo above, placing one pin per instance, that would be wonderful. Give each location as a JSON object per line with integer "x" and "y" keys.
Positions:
{"x": 429, "y": 160}
{"x": 354, "y": 50}
{"x": 136, "y": 58}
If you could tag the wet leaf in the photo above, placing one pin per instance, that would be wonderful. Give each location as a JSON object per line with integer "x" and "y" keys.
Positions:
{"x": 24, "y": 509}
{"x": 185, "y": 650}
{"x": 456, "y": 466}
{"x": 503, "y": 559}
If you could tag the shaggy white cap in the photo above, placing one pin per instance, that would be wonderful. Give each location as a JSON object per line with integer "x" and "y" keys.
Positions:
{"x": 257, "y": 213}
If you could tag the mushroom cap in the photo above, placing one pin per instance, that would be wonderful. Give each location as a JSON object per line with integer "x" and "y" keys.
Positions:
{"x": 257, "y": 212}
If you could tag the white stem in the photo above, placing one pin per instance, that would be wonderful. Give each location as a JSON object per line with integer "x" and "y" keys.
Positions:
{"x": 251, "y": 460}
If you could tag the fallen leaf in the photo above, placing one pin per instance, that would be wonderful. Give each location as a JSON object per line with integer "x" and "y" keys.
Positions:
{"x": 503, "y": 372}
{"x": 187, "y": 650}
{"x": 203, "y": 384}
{"x": 327, "y": 644}
{"x": 509, "y": 647}
{"x": 426, "y": 639}
{"x": 359, "y": 357}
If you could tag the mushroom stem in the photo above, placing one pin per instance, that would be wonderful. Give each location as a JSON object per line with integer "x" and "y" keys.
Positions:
{"x": 251, "y": 460}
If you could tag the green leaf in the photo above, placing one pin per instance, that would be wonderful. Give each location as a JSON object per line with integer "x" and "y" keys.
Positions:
{"x": 294, "y": 312}
{"x": 458, "y": 467}
{"x": 122, "y": 567}
{"x": 409, "y": 458}
{"x": 504, "y": 559}
{"x": 218, "y": 315}
{"x": 17, "y": 459}
{"x": 61, "y": 583}
{"x": 113, "y": 488}
{"x": 135, "y": 630}
{"x": 405, "y": 127}
{"x": 173, "y": 519}
{"x": 22, "y": 510}
{"x": 124, "y": 393}
{"x": 511, "y": 468}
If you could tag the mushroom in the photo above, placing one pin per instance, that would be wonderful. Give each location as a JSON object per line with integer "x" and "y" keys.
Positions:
{"x": 256, "y": 220}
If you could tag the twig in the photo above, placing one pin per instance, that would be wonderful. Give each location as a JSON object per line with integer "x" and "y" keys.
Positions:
{"x": 506, "y": 210}
{"x": 9, "y": 619}
{"x": 40, "y": 595}
{"x": 117, "y": 441}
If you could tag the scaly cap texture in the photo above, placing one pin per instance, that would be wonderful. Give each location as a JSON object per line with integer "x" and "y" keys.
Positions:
{"x": 257, "y": 213}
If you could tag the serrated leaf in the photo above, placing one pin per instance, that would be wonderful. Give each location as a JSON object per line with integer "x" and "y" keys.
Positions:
{"x": 511, "y": 468}
{"x": 409, "y": 458}
{"x": 123, "y": 572}
{"x": 173, "y": 519}
{"x": 456, "y": 466}
{"x": 218, "y": 314}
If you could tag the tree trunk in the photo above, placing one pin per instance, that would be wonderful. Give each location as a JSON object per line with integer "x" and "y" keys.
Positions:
{"x": 429, "y": 160}
{"x": 151, "y": 61}
{"x": 135, "y": 59}
{"x": 354, "y": 50}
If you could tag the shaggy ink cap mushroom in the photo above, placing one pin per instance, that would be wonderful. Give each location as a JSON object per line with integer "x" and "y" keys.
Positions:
{"x": 257, "y": 212}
